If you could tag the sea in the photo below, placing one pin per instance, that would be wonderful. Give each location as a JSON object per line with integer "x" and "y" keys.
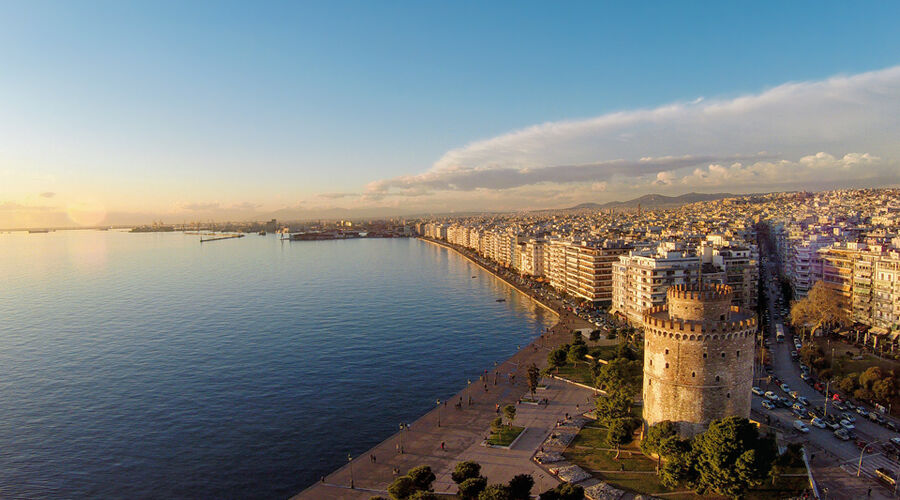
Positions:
{"x": 149, "y": 365}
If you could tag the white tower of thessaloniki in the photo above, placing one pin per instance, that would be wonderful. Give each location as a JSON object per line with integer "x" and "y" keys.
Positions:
{"x": 698, "y": 358}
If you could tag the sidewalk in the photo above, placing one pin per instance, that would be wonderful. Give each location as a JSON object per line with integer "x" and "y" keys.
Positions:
{"x": 463, "y": 430}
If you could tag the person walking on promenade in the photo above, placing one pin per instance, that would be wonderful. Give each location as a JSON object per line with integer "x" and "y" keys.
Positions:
{"x": 442, "y": 445}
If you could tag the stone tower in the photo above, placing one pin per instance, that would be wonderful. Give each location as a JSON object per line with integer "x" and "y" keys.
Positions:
{"x": 698, "y": 358}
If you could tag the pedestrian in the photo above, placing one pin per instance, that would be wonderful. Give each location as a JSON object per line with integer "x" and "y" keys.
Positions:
{"x": 374, "y": 459}
{"x": 442, "y": 445}
{"x": 869, "y": 493}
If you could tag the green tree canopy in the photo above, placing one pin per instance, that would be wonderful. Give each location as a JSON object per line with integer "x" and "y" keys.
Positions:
{"x": 576, "y": 353}
{"x": 564, "y": 491}
{"x": 422, "y": 477}
{"x": 472, "y": 487}
{"x": 465, "y": 470}
{"x": 557, "y": 357}
{"x": 509, "y": 411}
{"x": 615, "y": 406}
{"x": 656, "y": 434}
{"x": 731, "y": 457}
{"x": 402, "y": 488}
{"x": 534, "y": 377}
{"x": 495, "y": 492}
{"x": 520, "y": 487}
{"x": 620, "y": 373}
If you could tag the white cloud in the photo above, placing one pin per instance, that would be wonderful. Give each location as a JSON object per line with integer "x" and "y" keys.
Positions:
{"x": 851, "y": 121}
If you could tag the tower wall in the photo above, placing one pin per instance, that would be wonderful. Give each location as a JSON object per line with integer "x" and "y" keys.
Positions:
{"x": 696, "y": 371}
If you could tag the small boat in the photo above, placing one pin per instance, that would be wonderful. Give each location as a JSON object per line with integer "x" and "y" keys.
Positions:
{"x": 262, "y": 233}
{"x": 474, "y": 276}
{"x": 501, "y": 300}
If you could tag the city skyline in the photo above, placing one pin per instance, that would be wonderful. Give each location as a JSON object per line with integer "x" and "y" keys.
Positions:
{"x": 123, "y": 114}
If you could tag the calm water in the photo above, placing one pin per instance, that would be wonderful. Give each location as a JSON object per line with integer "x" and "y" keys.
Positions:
{"x": 148, "y": 365}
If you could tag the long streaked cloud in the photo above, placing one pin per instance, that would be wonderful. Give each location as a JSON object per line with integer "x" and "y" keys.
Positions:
{"x": 810, "y": 130}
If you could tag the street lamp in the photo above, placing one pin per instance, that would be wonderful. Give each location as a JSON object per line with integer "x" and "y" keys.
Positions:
{"x": 402, "y": 426}
{"x": 350, "y": 461}
{"x": 861, "y": 453}
{"x": 439, "y": 412}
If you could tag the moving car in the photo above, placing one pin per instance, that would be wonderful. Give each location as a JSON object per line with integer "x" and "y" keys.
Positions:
{"x": 800, "y": 426}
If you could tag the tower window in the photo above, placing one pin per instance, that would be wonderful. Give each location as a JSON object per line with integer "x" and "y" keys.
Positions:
{"x": 723, "y": 354}
{"x": 667, "y": 365}
{"x": 738, "y": 354}
{"x": 728, "y": 395}
{"x": 651, "y": 362}
{"x": 704, "y": 355}
{"x": 717, "y": 378}
{"x": 667, "y": 351}
{"x": 693, "y": 374}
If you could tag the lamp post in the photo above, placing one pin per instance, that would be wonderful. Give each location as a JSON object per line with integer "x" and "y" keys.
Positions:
{"x": 402, "y": 427}
{"x": 439, "y": 412}
{"x": 350, "y": 461}
{"x": 861, "y": 453}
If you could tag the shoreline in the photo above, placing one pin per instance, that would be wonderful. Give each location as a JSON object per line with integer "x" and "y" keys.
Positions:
{"x": 492, "y": 273}
{"x": 337, "y": 482}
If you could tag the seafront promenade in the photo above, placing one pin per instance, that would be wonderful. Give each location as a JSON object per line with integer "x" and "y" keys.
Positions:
{"x": 462, "y": 429}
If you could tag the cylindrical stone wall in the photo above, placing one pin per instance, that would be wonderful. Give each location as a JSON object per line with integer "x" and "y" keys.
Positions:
{"x": 711, "y": 303}
{"x": 693, "y": 382}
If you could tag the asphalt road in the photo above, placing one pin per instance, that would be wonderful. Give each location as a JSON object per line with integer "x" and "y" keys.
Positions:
{"x": 788, "y": 371}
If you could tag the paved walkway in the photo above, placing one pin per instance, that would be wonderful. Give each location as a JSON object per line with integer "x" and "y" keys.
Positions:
{"x": 463, "y": 430}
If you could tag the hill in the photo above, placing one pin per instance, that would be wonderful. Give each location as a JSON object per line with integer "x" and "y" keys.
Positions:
{"x": 654, "y": 201}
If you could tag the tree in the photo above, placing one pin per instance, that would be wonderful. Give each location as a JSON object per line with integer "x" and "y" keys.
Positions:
{"x": 422, "y": 477}
{"x": 520, "y": 487}
{"x": 557, "y": 357}
{"x": 472, "y": 487}
{"x": 619, "y": 433}
{"x": 849, "y": 383}
{"x": 510, "y": 412}
{"x": 534, "y": 377}
{"x": 497, "y": 424}
{"x": 402, "y": 488}
{"x": 495, "y": 492}
{"x": 595, "y": 335}
{"x": 615, "y": 406}
{"x": 656, "y": 434}
{"x": 564, "y": 491}
{"x": 625, "y": 351}
{"x": 679, "y": 466}
{"x": 730, "y": 457}
{"x": 423, "y": 495}
{"x": 620, "y": 373}
{"x": 576, "y": 353}
{"x": 821, "y": 307}
{"x": 465, "y": 470}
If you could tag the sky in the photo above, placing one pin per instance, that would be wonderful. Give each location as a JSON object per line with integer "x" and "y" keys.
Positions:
{"x": 125, "y": 112}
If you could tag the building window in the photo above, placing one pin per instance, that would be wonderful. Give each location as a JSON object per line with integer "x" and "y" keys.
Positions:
{"x": 704, "y": 355}
{"x": 723, "y": 354}
{"x": 667, "y": 351}
{"x": 693, "y": 374}
{"x": 667, "y": 365}
{"x": 651, "y": 362}
{"x": 717, "y": 378}
{"x": 738, "y": 354}
{"x": 728, "y": 395}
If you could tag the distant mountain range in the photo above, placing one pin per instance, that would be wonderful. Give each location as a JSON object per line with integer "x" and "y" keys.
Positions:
{"x": 655, "y": 201}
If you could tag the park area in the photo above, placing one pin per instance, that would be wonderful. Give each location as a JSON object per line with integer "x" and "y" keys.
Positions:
{"x": 635, "y": 472}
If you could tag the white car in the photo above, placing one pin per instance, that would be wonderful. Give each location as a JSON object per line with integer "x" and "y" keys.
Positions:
{"x": 757, "y": 391}
{"x": 800, "y": 426}
{"x": 847, "y": 425}
{"x": 803, "y": 400}
{"x": 771, "y": 395}
{"x": 786, "y": 388}
{"x": 818, "y": 422}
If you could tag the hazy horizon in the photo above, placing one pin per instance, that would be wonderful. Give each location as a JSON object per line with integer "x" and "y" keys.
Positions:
{"x": 129, "y": 113}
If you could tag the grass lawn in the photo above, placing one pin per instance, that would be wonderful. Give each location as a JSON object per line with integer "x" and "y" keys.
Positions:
{"x": 580, "y": 372}
{"x": 505, "y": 436}
{"x": 845, "y": 365}
{"x": 588, "y": 451}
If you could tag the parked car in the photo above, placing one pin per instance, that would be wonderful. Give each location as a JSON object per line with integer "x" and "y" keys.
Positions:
{"x": 842, "y": 434}
{"x": 803, "y": 400}
{"x": 848, "y": 417}
{"x": 771, "y": 395}
{"x": 895, "y": 441}
{"x": 794, "y": 394}
{"x": 784, "y": 387}
{"x": 832, "y": 425}
{"x": 862, "y": 411}
{"x": 798, "y": 407}
{"x": 800, "y": 426}
{"x": 768, "y": 404}
{"x": 757, "y": 391}
{"x": 797, "y": 413}
{"x": 805, "y": 376}
{"x": 818, "y": 422}
{"x": 892, "y": 426}
{"x": 847, "y": 425}
{"x": 839, "y": 406}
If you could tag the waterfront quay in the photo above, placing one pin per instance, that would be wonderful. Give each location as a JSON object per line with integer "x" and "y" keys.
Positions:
{"x": 453, "y": 432}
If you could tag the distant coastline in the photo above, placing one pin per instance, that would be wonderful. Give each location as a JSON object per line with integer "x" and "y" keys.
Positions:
{"x": 492, "y": 272}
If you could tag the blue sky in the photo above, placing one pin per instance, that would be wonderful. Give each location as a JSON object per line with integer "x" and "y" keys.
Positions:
{"x": 237, "y": 109}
